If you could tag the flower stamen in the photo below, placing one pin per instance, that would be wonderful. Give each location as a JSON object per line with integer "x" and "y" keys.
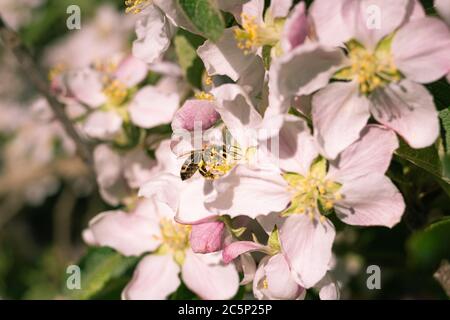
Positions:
{"x": 116, "y": 92}
{"x": 372, "y": 70}
{"x": 175, "y": 239}
{"x": 314, "y": 194}
{"x": 202, "y": 95}
{"x": 253, "y": 35}
{"x": 136, "y": 6}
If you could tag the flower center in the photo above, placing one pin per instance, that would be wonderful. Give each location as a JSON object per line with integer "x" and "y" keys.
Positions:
{"x": 136, "y": 6}
{"x": 218, "y": 160}
{"x": 175, "y": 239}
{"x": 313, "y": 195}
{"x": 202, "y": 95}
{"x": 56, "y": 71}
{"x": 253, "y": 35}
{"x": 372, "y": 69}
{"x": 116, "y": 92}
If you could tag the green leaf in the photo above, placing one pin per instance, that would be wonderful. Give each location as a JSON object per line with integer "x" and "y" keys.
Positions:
{"x": 267, "y": 57}
{"x": 428, "y": 247}
{"x": 185, "y": 47}
{"x": 98, "y": 268}
{"x": 274, "y": 241}
{"x": 445, "y": 119}
{"x": 440, "y": 91}
{"x": 205, "y": 16}
{"x": 183, "y": 293}
{"x": 129, "y": 138}
{"x": 426, "y": 158}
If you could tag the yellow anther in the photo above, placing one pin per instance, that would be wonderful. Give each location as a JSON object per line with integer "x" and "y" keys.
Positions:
{"x": 107, "y": 67}
{"x": 371, "y": 69}
{"x": 56, "y": 71}
{"x": 175, "y": 235}
{"x": 329, "y": 184}
{"x": 265, "y": 284}
{"x": 313, "y": 194}
{"x": 136, "y": 6}
{"x": 204, "y": 96}
{"x": 329, "y": 205}
{"x": 116, "y": 92}
{"x": 254, "y": 35}
{"x": 322, "y": 189}
{"x": 247, "y": 37}
{"x": 322, "y": 219}
{"x": 208, "y": 80}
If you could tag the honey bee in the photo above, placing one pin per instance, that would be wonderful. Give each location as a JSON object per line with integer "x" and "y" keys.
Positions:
{"x": 212, "y": 161}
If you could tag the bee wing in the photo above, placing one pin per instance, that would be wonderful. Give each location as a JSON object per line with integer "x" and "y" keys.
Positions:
{"x": 191, "y": 165}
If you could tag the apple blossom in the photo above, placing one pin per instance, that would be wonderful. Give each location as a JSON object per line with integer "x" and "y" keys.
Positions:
{"x": 310, "y": 189}
{"x": 280, "y": 29}
{"x": 381, "y": 73}
{"x": 242, "y": 157}
{"x": 273, "y": 279}
{"x": 110, "y": 90}
{"x": 150, "y": 228}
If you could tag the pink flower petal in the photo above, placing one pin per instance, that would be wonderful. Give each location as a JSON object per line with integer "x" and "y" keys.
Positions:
{"x": 171, "y": 9}
{"x": 209, "y": 279}
{"x": 128, "y": 233}
{"x": 443, "y": 8}
{"x": 296, "y": 28}
{"x": 248, "y": 266}
{"x": 372, "y": 153}
{"x": 153, "y": 35}
{"x": 280, "y": 8}
{"x": 151, "y": 107}
{"x": 415, "y": 11}
{"x": 235, "y": 249}
{"x": 155, "y": 278}
{"x": 407, "y": 108}
{"x": 328, "y": 22}
{"x": 201, "y": 112}
{"x": 252, "y": 8}
{"x": 368, "y": 21}
{"x": 104, "y": 125}
{"x": 87, "y": 87}
{"x": 193, "y": 197}
{"x": 339, "y": 114}
{"x": 280, "y": 283}
{"x": 164, "y": 187}
{"x": 207, "y": 237}
{"x": 224, "y": 57}
{"x": 421, "y": 50}
{"x": 238, "y": 113}
{"x": 89, "y": 238}
{"x": 108, "y": 167}
{"x": 328, "y": 288}
{"x": 250, "y": 192}
{"x": 138, "y": 167}
{"x": 131, "y": 71}
{"x": 301, "y": 71}
{"x": 372, "y": 200}
{"x": 297, "y": 146}
{"x": 307, "y": 246}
